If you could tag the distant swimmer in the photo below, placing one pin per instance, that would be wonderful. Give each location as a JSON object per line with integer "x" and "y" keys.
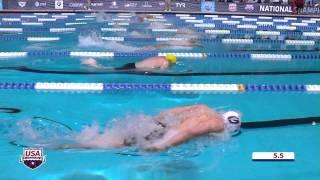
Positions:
{"x": 188, "y": 43}
{"x": 168, "y": 128}
{"x": 153, "y": 63}
{"x": 145, "y": 17}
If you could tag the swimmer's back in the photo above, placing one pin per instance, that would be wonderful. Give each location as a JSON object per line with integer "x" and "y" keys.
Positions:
{"x": 154, "y": 62}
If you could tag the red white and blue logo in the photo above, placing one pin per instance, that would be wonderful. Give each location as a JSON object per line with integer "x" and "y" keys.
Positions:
{"x": 32, "y": 157}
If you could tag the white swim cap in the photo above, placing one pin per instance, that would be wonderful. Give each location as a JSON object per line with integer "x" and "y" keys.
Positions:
{"x": 232, "y": 121}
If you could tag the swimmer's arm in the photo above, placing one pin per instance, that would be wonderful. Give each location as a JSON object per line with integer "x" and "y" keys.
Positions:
{"x": 73, "y": 146}
{"x": 164, "y": 66}
{"x": 93, "y": 63}
{"x": 170, "y": 139}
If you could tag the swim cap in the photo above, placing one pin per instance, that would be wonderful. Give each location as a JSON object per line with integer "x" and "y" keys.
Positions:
{"x": 172, "y": 58}
{"x": 232, "y": 121}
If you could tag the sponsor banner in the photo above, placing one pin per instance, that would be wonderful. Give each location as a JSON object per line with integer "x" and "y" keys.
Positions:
{"x": 208, "y": 6}
{"x": 186, "y": 5}
{"x": 309, "y": 10}
{"x": 45, "y": 4}
{"x": 265, "y": 9}
{"x": 58, "y": 4}
{"x": 132, "y": 5}
{"x": 75, "y": 5}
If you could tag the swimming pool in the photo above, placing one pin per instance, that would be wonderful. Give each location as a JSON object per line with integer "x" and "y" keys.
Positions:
{"x": 265, "y": 67}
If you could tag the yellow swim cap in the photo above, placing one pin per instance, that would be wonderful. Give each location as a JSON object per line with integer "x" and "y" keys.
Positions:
{"x": 172, "y": 58}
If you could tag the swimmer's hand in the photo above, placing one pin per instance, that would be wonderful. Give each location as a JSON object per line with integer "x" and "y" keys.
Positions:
{"x": 93, "y": 63}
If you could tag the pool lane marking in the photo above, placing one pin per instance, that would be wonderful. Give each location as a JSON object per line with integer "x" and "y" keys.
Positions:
{"x": 85, "y": 19}
{"x": 42, "y": 39}
{"x": 11, "y": 19}
{"x": 216, "y": 31}
{"x": 119, "y": 23}
{"x": 42, "y": 14}
{"x": 285, "y": 27}
{"x": 246, "y": 26}
{"x": 92, "y": 54}
{"x": 268, "y": 33}
{"x": 206, "y": 25}
{"x": 186, "y": 17}
{"x": 264, "y": 23}
{"x": 241, "y": 55}
{"x": 271, "y": 57}
{"x": 62, "y": 29}
{"x": 59, "y": 16}
{"x": 11, "y": 29}
{"x": 114, "y": 29}
{"x": 32, "y": 24}
{"x": 150, "y": 73}
{"x": 237, "y": 16}
{"x": 285, "y": 19}
{"x": 28, "y": 16}
{"x": 173, "y": 87}
{"x": 237, "y": 41}
{"x": 46, "y": 19}
{"x": 300, "y": 42}
{"x": 13, "y": 54}
{"x": 231, "y": 22}
{"x": 75, "y": 23}
{"x": 199, "y": 27}
{"x": 110, "y": 38}
{"x": 193, "y": 21}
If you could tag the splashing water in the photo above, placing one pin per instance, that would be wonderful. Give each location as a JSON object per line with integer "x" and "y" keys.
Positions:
{"x": 118, "y": 130}
{"x": 103, "y": 17}
{"x": 95, "y": 40}
{"x": 36, "y": 132}
{"x": 90, "y": 40}
{"x": 48, "y": 133}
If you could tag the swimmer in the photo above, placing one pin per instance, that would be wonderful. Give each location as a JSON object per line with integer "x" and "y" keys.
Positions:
{"x": 161, "y": 63}
{"x": 190, "y": 43}
{"x": 144, "y": 17}
{"x": 170, "y": 127}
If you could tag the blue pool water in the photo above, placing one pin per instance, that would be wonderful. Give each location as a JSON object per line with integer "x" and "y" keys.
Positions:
{"x": 201, "y": 158}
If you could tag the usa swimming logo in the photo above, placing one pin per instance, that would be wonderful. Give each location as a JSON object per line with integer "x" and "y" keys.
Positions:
{"x": 32, "y": 157}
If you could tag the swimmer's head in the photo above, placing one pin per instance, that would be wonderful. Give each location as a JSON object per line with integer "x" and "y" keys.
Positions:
{"x": 232, "y": 121}
{"x": 171, "y": 58}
